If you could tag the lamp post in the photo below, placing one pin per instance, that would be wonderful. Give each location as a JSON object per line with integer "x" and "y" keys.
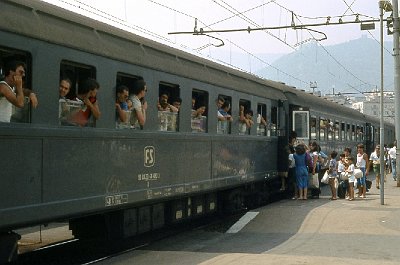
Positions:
{"x": 384, "y": 6}
{"x": 396, "y": 84}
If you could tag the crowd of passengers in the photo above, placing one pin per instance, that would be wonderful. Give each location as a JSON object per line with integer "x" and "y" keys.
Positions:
{"x": 130, "y": 104}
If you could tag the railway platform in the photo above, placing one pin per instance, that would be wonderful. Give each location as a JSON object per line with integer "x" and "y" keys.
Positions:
{"x": 331, "y": 232}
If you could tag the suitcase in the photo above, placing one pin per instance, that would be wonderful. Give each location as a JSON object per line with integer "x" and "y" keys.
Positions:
{"x": 341, "y": 190}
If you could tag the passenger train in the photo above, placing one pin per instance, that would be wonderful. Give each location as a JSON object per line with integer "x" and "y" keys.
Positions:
{"x": 116, "y": 181}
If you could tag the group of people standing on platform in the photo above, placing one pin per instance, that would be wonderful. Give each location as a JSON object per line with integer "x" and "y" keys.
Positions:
{"x": 345, "y": 172}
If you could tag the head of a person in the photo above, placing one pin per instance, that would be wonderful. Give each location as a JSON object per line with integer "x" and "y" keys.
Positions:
{"x": 14, "y": 68}
{"x": 220, "y": 102}
{"x": 249, "y": 114}
{"x": 377, "y": 148}
{"x": 226, "y": 106}
{"x": 300, "y": 149}
{"x": 201, "y": 108}
{"x": 139, "y": 88}
{"x": 350, "y": 160}
{"x": 347, "y": 151}
{"x": 122, "y": 93}
{"x": 342, "y": 157}
{"x": 65, "y": 87}
{"x": 333, "y": 154}
{"x": 164, "y": 99}
{"x": 314, "y": 146}
{"x": 88, "y": 88}
{"x": 177, "y": 103}
{"x": 360, "y": 148}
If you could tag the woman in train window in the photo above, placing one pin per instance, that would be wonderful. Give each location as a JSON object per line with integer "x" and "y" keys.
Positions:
{"x": 11, "y": 90}
{"x": 246, "y": 119}
{"x": 138, "y": 116}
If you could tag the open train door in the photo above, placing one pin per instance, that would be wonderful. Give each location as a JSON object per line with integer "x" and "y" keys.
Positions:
{"x": 301, "y": 125}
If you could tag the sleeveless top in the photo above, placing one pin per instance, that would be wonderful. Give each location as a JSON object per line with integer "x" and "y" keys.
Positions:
{"x": 361, "y": 163}
{"x": 5, "y": 105}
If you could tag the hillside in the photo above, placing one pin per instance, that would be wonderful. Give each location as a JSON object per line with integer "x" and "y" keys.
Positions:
{"x": 347, "y": 67}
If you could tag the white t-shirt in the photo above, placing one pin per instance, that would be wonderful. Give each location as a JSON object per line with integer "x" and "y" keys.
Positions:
{"x": 5, "y": 106}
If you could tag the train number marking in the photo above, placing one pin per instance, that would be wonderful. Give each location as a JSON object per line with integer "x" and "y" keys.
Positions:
{"x": 116, "y": 199}
{"x": 149, "y": 156}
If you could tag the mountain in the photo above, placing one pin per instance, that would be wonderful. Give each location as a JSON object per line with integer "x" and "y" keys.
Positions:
{"x": 349, "y": 67}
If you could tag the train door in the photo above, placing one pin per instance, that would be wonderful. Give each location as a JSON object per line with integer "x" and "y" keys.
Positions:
{"x": 301, "y": 125}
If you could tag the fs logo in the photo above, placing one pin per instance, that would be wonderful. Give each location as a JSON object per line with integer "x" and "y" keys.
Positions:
{"x": 149, "y": 156}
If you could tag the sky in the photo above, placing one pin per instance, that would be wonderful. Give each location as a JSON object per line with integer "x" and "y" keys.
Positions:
{"x": 155, "y": 19}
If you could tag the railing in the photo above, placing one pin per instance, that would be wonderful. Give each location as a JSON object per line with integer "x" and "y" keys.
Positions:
{"x": 127, "y": 123}
{"x": 223, "y": 127}
{"x": 70, "y": 113}
{"x": 199, "y": 124}
{"x": 22, "y": 114}
{"x": 168, "y": 121}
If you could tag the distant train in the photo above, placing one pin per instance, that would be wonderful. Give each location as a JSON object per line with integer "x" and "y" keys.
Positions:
{"x": 115, "y": 181}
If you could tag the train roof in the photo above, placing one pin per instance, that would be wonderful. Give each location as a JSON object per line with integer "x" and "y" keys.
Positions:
{"x": 54, "y": 24}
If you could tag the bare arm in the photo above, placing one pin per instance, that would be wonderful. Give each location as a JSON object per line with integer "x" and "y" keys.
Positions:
{"x": 15, "y": 99}
{"x": 94, "y": 108}
{"x": 121, "y": 112}
{"x": 141, "y": 115}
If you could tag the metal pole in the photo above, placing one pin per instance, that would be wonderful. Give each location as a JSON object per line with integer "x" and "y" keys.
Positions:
{"x": 381, "y": 129}
{"x": 396, "y": 84}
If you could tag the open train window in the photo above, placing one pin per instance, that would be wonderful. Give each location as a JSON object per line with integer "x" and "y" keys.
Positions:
{"x": 72, "y": 111}
{"x": 358, "y": 133}
{"x": 199, "y": 111}
{"x": 348, "y": 137}
{"x": 301, "y": 124}
{"x": 313, "y": 127}
{"x": 224, "y": 114}
{"x": 337, "y": 130}
{"x": 273, "y": 126}
{"x": 353, "y": 132}
{"x": 262, "y": 122}
{"x": 168, "y": 109}
{"x": 323, "y": 123}
{"x": 123, "y": 119}
{"x": 10, "y": 54}
{"x": 245, "y": 116}
{"x": 343, "y": 131}
{"x": 329, "y": 129}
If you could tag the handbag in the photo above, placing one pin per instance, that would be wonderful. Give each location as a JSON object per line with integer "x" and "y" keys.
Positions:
{"x": 325, "y": 178}
{"x": 358, "y": 173}
{"x": 313, "y": 181}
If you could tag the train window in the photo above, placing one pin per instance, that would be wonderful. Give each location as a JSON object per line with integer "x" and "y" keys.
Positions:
{"x": 348, "y": 130}
{"x": 343, "y": 132}
{"x": 224, "y": 114}
{"x": 301, "y": 124}
{"x": 123, "y": 116}
{"x": 273, "y": 126}
{"x": 360, "y": 133}
{"x": 353, "y": 132}
{"x": 8, "y": 55}
{"x": 72, "y": 110}
{"x": 199, "y": 111}
{"x": 167, "y": 112}
{"x": 245, "y": 117}
{"x": 262, "y": 119}
{"x": 329, "y": 128}
{"x": 337, "y": 131}
{"x": 313, "y": 127}
{"x": 322, "y": 128}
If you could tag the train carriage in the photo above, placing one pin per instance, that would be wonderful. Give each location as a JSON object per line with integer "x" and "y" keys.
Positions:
{"x": 120, "y": 182}
{"x": 116, "y": 181}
